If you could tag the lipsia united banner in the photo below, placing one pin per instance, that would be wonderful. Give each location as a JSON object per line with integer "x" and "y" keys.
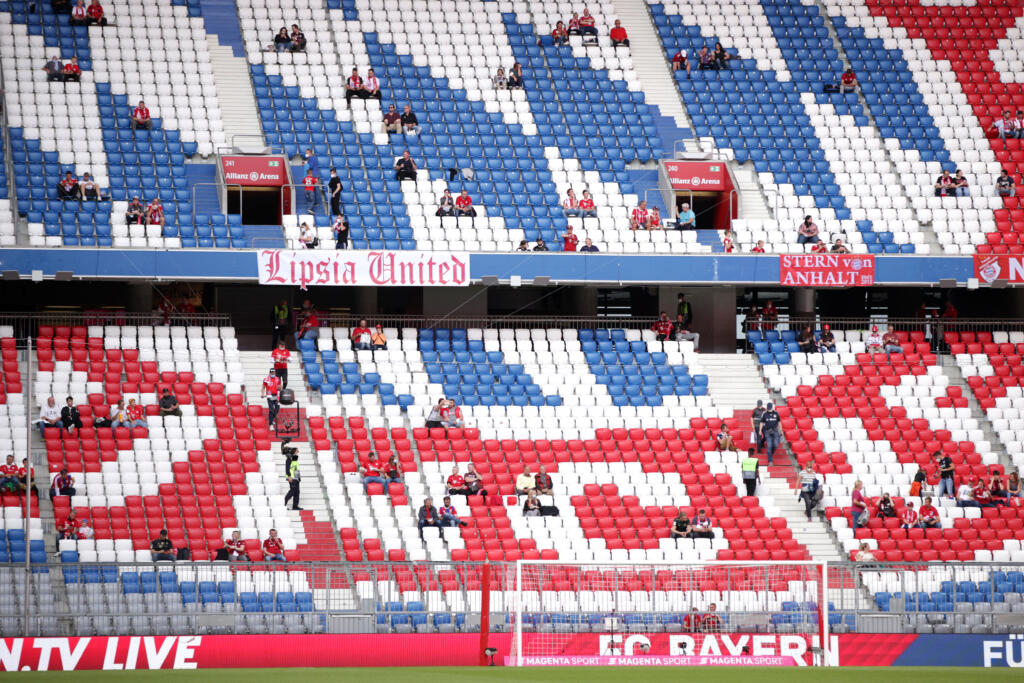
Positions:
{"x": 354, "y": 268}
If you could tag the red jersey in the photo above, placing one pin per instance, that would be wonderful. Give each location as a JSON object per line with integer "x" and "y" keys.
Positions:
{"x": 9, "y": 470}
{"x": 463, "y": 201}
{"x": 569, "y": 242}
{"x": 141, "y": 113}
{"x": 272, "y": 385}
{"x": 727, "y": 243}
{"x": 757, "y": 250}
{"x": 68, "y": 183}
{"x": 357, "y": 333}
{"x": 95, "y": 11}
{"x": 570, "y": 203}
{"x": 819, "y": 248}
{"x": 909, "y": 517}
{"x": 135, "y": 412}
{"x": 662, "y": 327}
{"x": 617, "y": 33}
{"x": 72, "y": 69}
{"x": 928, "y": 512}
{"x": 691, "y": 622}
{"x": 587, "y": 204}
{"x": 574, "y": 24}
{"x": 456, "y": 482}
{"x": 233, "y": 546}
{"x": 156, "y": 211}
{"x": 355, "y": 82}
{"x": 272, "y": 546}
{"x": 280, "y": 357}
{"x": 848, "y": 79}
{"x": 640, "y": 216}
{"x": 559, "y": 33}
{"x": 69, "y": 526}
{"x": 679, "y": 57}
{"x": 310, "y": 182}
{"x": 982, "y": 493}
{"x": 587, "y": 20}
{"x": 374, "y": 467}
{"x": 655, "y": 216}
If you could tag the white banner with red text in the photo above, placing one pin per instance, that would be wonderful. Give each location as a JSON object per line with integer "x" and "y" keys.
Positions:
{"x": 357, "y": 268}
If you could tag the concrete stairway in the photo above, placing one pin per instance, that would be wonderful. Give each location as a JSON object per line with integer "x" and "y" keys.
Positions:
{"x": 237, "y": 102}
{"x": 991, "y": 443}
{"x": 733, "y": 380}
{"x": 753, "y": 203}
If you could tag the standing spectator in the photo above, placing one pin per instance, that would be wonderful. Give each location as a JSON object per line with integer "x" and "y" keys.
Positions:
{"x": 687, "y": 219}
{"x": 531, "y": 506}
{"x": 540, "y": 246}
{"x": 908, "y": 518}
{"x": 525, "y": 482}
{"x": 756, "y": 416}
{"x": 542, "y": 482}
{"x": 515, "y": 76}
{"x": 9, "y": 476}
{"x": 874, "y": 341}
{"x": 372, "y": 86}
{"x": 169, "y": 403}
{"x": 662, "y": 327}
{"x": 361, "y": 336}
{"x": 809, "y": 486}
{"x": 135, "y": 213}
{"x": 500, "y": 80}
{"x": 392, "y": 120}
{"x": 464, "y": 205}
{"x": 405, "y": 167}
{"x": 751, "y": 474}
{"x": 70, "y": 418}
{"x": 570, "y": 205}
{"x": 769, "y": 314}
{"x": 702, "y": 526}
{"x": 448, "y": 515}
{"x": 680, "y": 62}
{"x": 827, "y": 340}
{"x": 770, "y": 422}
{"x": 234, "y": 546}
{"x": 807, "y": 232}
{"x": 683, "y": 308}
{"x": 280, "y": 319}
{"x": 929, "y": 515}
{"x": 848, "y": 82}
{"x": 312, "y": 162}
{"x": 890, "y": 341}
{"x": 691, "y": 622}
{"x": 569, "y": 240}
{"x": 960, "y": 185}
{"x": 354, "y": 87}
{"x": 340, "y": 229}
{"x": 588, "y": 27}
{"x": 446, "y": 205}
{"x": 1006, "y": 127}
{"x": 95, "y": 14}
{"x": 680, "y": 526}
{"x": 49, "y": 417}
{"x": 54, "y": 69}
{"x": 681, "y": 332}
{"x": 162, "y": 549}
{"x": 728, "y": 246}
{"x": 945, "y": 186}
{"x": 721, "y": 57}
{"x": 282, "y": 42}
{"x": 410, "y": 124}
{"x": 587, "y": 208}
{"x": 280, "y": 356}
{"x": 72, "y": 72}
{"x": 1004, "y": 185}
{"x": 68, "y": 187}
{"x": 886, "y": 508}
{"x": 68, "y": 529}
{"x": 640, "y": 218}
{"x": 271, "y": 391}
{"x": 155, "y": 213}
{"x": 859, "y": 513}
{"x": 79, "y": 15}
{"x": 724, "y": 439}
{"x": 618, "y": 35}
{"x": 378, "y": 340}
{"x": 839, "y": 248}
{"x": 311, "y": 188}
{"x": 273, "y": 548}
{"x": 427, "y": 516}
{"x": 63, "y": 484}
{"x": 294, "y": 480}
{"x": 559, "y": 35}
{"x": 334, "y": 188}
{"x": 140, "y": 117}
{"x": 588, "y": 246}
{"x": 309, "y": 326}
{"x": 946, "y": 472}
{"x": 136, "y": 414}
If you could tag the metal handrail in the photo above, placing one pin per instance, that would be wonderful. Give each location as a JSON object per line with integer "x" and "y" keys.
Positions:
{"x": 27, "y": 324}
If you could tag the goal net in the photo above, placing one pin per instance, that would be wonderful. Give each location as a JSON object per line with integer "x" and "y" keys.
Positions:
{"x": 599, "y": 613}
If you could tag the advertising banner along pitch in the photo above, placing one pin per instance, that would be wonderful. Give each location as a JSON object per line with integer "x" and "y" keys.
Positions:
{"x": 827, "y": 270}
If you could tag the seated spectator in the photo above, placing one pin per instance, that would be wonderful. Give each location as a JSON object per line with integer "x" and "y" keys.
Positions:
{"x": 525, "y": 482}
{"x": 1013, "y": 488}
{"x": 515, "y": 76}
{"x": 618, "y": 35}
{"x": 378, "y": 340}
{"x": 1004, "y": 185}
{"x": 838, "y": 247}
{"x": 297, "y": 40}
{"x": 79, "y": 14}
{"x": 9, "y": 476}
{"x": 819, "y": 248}
{"x": 945, "y": 186}
{"x": 372, "y": 86}
{"x": 54, "y": 69}
{"x": 523, "y": 246}
{"x": 72, "y": 72}
{"x": 543, "y": 482}
{"x": 724, "y": 440}
{"x": 681, "y": 331}
{"x": 680, "y": 62}
{"x": 640, "y": 217}
{"x": 307, "y": 236}
{"x": 691, "y": 622}
{"x": 449, "y": 517}
{"x": 372, "y": 474}
{"x": 500, "y": 81}
{"x": 141, "y": 118}
{"x": 474, "y": 484}
{"x": 273, "y": 548}
{"x": 680, "y": 526}
{"x": 890, "y": 341}
{"x": 569, "y": 240}
{"x": 362, "y": 337}
{"x": 848, "y": 82}
{"x": 997, "y": 487}
{"x": 309, "y": 326}
{"x": 1018, "y": 123}
{"x": 909, "y": 518}
{"x": 531, "y": 506}
{"x": 687, "y": 219}
{"x": 456, "y": 483}
{"x": 162, "y": 549}
{"x": 662, "y": 327}
{"x": 758, "y": 248}
{"x": 588, "y": 27}
{"x": 805, "y": 340}
{"x": 405, "y": 167}
{"x": 354, "y": 87}
{"x": 340, "y": 229}
{"x": 446, "y": 205}
{"x": 705, "y": 59}
{"x": 721, "y": 57}
{"x": 1006, "y": 127}
{"x": 95, "y": 15}
{"x": 929, "y": 515}
{"x": 960, "y": 186}
{"x": 434, "y": 418}
{"x": 728, "y": 246}
{"x": 950, "y": 312}
{"x": 118, "y": 415}
{"x": 68, "y": 187}
{"x": 654, "y": 218}
{"x": 570, "y": 205}
{"x": 588, "y": 246}
{"x": 864, "y": 554}
{"x": 282, "y": 41}
{"x": 88, "y": 190}
{"x": 234, "y": 547}
{"x": 49, "y": 417}
{"x": 451, "y": 415}
{"x": 136, "y": 414}
{"x": 427, "y": 516}
{"x": 807, "y": 232}
{"x": 169, "y": 402}
{"x": 155, "y": 213}
{"x": 392, "y": 470}
{"x": 827, "y": 340}
{"x": 886, "y": 508}
{"x": 587, "y": 208}
{"x": 965, "y": 494}
{"x": 62, "y": 485}
{"x": 85, "y": 530}
{"x": 874, "y": 341}
{"x": 540, "y": 245}
{"x": 392, "y": 121}
{"x": 68, "y": 529}
{"x": 135, "y": 214}
{"x": 702, "y": 526}
{"x": 559, "y": 35}
{"x": 410, "y": 124}
{"x": 982, "y": 494}
{"x": 464, "y": 205}
{"x": 70, "y": 417}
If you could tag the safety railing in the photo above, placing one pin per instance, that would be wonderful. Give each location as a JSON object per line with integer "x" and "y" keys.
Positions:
{"x": 27, "y": 324}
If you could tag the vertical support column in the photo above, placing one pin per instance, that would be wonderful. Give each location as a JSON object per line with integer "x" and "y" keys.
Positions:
{"x": 140, "y": 297}
{"x": 804, "y": 302}
{"x": 485, "y": 611}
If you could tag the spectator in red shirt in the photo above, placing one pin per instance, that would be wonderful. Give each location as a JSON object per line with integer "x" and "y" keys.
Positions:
{"x": 544, "y": 484}
{"x": 9, "y": 476}
{"x": 392, "y": 120}
{"x": 758, "y": 248}
{"x": 618, "y": 35}
{"x": 235, "y": 547}
{"x": 271, "y": 391}
{"x": 680, "y": 62}
{"x": 155, "y": 213}
{"x": 848, "y": 82}
{"x": 588, "y": 26}
{"x": 569, "y": 240}
{"x": 727, "y": 243}
{"x": 451, "y": 415}
{"x": 95, "y": 14}
{"x": 928, "y": 517}
{"x": 662, "y": 327}
{"x": 570, "y": 205}
{"x": 354, "y": 87}
{"x": 311, "y": 185}
{"x": 457, "y": 484}
{"x": 63, "y": 484}
{"x": 68, "y": 529}
{"x": 464, "y": 205}
{"x": 72, "y": 72}
{"x": 587, "y": 208}
{"x": 998, "y": 489}
{"x": 819, "y": 248}
{"x": 280, "y": 356}
{"x": 691, "y": 622}
{"x": 640, "y": 217}
{"x": 909, "y": 518}
{"x": 141, "y": 118}
{"x": 654, "y": 218}
{"x": 68, "y": 187}
{"x": 982, "y": 494}
{"x": 559, "y": 35}
{"x": 710, "y": 622}
{"x": 950, "y": 311}
{"x": 449, "y": 517}
{"x": 890, "y": 341}
{"x": 273, "y": 548}
{"x": 136, "y": 414}
{"x": 769, "y": 314}
{"x": 361, "y": 337}
{"x": 373, "y": 473}
{"x": 574, "y": 24}
{"x": 309, "y": 327}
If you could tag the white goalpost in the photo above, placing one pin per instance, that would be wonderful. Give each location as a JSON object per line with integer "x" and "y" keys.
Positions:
{"x": 703, "y": 613}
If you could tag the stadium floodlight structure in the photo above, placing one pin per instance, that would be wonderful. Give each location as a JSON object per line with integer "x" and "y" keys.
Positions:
{"x": 608, "y": 610}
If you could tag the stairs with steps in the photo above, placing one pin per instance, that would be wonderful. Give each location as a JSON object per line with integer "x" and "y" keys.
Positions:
{"x": 242, "y": 126}
{"x": 753, "y": 203}
{"x": 995, "y": 444}
{"x": 734, "y": 380}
